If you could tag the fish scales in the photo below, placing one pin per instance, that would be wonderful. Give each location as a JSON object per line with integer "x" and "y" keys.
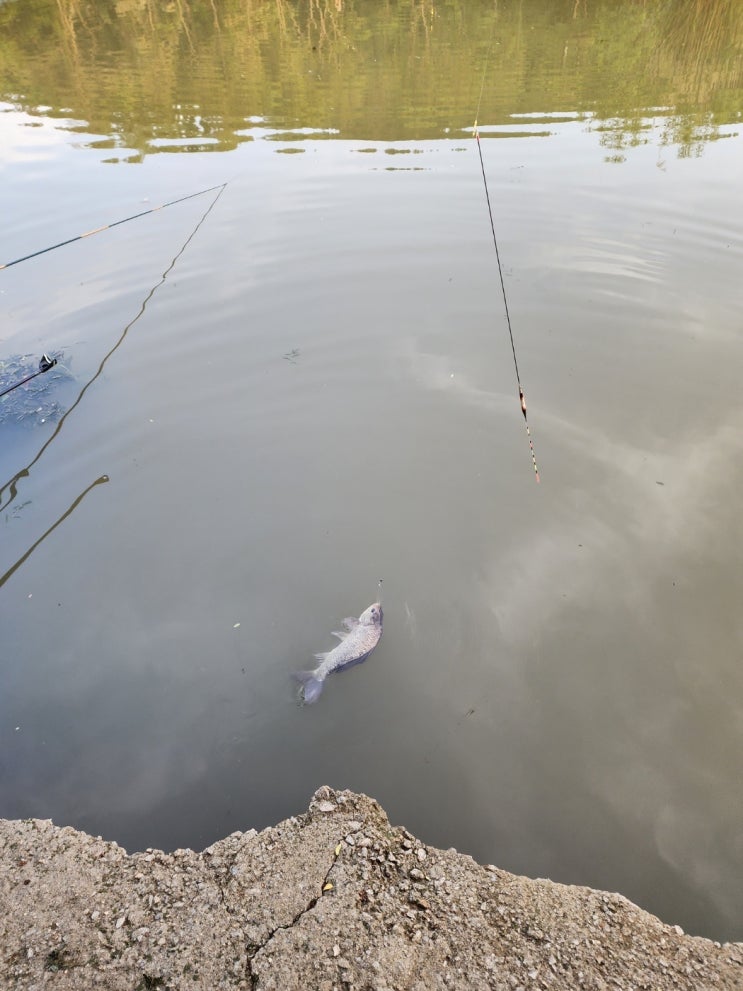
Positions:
{"x": 357, "y": 641}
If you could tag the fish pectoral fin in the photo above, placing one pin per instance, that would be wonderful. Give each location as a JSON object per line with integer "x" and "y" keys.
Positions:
{"x": 341, "y": 634}
{"x": 322, "y": 655}
{"x": 350, "y": 623}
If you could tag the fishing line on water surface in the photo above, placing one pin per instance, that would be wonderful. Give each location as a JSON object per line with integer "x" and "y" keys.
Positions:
{"x": 522, "y": 397}
{"x": 107, "y": 227}
{"x": 9, "y": 490}
{"x": 46, "y": 362}
{"x": 68, "y": 512}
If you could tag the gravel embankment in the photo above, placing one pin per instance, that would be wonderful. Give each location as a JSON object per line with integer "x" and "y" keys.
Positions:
{"x": 336, "y": 899}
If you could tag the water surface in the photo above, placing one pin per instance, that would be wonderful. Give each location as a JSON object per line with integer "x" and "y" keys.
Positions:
{"x": 277, "y": 396}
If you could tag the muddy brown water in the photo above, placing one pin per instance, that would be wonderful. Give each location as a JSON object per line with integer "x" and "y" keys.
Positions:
{"x": 320, "y": 392}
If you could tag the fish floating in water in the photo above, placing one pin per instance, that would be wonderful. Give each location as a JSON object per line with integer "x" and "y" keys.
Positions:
{"x": 357, "y": 641}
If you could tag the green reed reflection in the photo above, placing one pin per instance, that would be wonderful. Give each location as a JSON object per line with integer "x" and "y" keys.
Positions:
{"x": 146, "y": 75}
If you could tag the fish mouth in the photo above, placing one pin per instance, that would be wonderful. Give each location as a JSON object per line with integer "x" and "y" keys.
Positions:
{"x": 372, "y": 615}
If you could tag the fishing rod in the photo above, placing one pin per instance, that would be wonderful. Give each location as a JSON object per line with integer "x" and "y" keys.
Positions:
{"x": 9, "y": 490}
{"x": 107, "y": 227}
{"x": 522, "y": 397}
{"x": 45, "y": 363}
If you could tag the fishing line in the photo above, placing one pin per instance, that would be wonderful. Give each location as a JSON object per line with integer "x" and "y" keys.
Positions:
{"x": 11, "y": 486}
{"x": 107, "y": 227}
{"x": 522, "y": 397}
{"x": 24, "y": 557}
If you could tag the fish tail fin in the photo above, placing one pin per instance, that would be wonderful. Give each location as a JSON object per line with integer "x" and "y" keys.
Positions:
{"x": 311, "y": 684}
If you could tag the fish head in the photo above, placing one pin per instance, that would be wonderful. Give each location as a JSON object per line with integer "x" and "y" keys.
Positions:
{"x": 372, "y": 616}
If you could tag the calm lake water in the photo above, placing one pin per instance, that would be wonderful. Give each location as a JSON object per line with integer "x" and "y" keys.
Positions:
{"x": 275, "y": 396}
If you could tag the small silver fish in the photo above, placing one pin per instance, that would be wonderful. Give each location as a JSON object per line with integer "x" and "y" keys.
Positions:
{"x": 357, "y": 641}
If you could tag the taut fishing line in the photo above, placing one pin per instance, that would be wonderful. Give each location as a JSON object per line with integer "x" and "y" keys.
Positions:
{"x": 12, "y": 484}
{"x": 522, "y": 397}
{"x": 47, "y": 362}
{"x": 107, "y": 227}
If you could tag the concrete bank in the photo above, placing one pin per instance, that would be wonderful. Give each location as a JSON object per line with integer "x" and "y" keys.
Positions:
{"x": 335, "y": 898}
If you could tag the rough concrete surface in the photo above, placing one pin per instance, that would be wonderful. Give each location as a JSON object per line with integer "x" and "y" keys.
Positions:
{"x": 336, "y": 898}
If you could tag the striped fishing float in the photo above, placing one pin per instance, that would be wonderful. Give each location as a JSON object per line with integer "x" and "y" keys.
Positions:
{"x": 522, "y": 397}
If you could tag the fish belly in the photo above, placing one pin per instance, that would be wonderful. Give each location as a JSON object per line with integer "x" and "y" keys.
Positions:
{"x": 353, "y": 650}
{"x": 354, "y": 660}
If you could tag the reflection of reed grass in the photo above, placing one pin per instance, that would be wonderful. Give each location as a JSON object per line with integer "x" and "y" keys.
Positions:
{"x": 701, "y": 52}
{"x": 281, "y": 12}
{"x": 67, "y": 11}
{"x": 704, "y": 40}
{"x": 407, "y": 68}
{"x": 323, "y": 23}
{"x": 704, "y": 27}
{"x": 182, "y": 18}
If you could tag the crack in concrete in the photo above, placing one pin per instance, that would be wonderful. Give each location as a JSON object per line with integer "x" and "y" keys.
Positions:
{"x": 252, "y": 949}
{"x": 222, "y": 874}
{"x": 224, "y": 882}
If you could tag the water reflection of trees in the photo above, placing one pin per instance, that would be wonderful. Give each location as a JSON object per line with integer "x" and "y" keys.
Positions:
{"x": 703, "y": 56}
{"x": 139, "y": 70}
